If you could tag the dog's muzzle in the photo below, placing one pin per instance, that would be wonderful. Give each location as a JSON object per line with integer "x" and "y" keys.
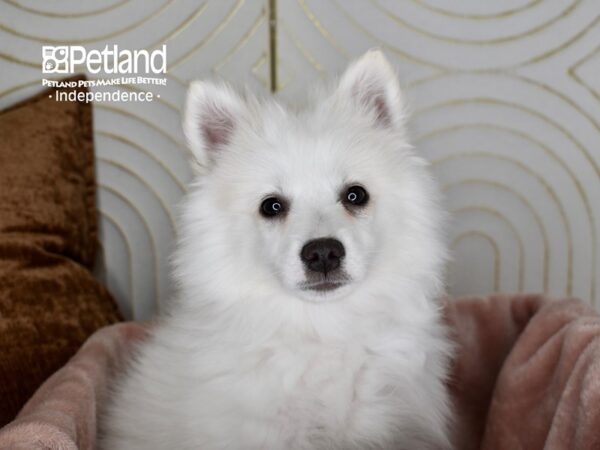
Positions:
{"x": 322, "y": 260}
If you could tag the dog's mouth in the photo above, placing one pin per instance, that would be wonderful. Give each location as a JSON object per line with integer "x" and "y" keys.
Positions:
{"x": 325, "y": 283}
{"x": 322, "y": 286}
{"x": 322, "y": 283}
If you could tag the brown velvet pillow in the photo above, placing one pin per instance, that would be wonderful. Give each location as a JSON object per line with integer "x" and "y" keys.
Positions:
{"x": 49, "y": 300}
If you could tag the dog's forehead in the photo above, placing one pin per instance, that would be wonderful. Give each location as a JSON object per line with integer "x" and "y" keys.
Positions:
{"x": 299, "y": 174}
{"x": 299, "y": 158}
{"x": 310, "y": 160}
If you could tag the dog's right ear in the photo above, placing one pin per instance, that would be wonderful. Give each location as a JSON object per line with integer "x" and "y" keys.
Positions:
{"x": 371, "y": 84}
{"x": 212, "y": 114}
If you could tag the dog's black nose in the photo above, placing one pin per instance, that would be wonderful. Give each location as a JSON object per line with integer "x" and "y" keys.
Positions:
{"x": 323, "y": 254}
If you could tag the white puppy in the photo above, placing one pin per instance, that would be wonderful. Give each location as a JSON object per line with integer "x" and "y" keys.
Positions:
{"x": 308, "y": 270}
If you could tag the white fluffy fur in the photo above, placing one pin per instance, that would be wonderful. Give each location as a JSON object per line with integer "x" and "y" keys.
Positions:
{"x": 244, "y": 359}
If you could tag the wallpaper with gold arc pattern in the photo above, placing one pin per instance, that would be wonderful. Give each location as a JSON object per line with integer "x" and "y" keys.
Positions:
{"x": 142, "y": 162}
{"x": 505, "y": 98}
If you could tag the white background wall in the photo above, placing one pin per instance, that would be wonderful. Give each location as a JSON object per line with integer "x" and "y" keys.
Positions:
{"x": 505, "y": 97}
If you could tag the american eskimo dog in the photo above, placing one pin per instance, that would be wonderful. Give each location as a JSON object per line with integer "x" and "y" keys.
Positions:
{"x": 309, "y": 265}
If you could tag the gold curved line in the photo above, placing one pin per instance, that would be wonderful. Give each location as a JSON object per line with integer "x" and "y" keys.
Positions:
{"x": 495, "y": 249}
{"x": 561, "y": 47}
{"x": 148, "y": 230}
{"x": 513, "y": 229}
{"x": 525, "y": 202}
{"x": 18, "y": 87}
{"x": 145, "y": 183}
{"x": 66, "y": 15}
{"x": 259, "y": 62}
{"x": 126, "y": 141}
{"x": 47, "y": 40}
{"x": 146, "y": 122}
{"x": 580, "y": 189}
{"x": 546, "y": 186}
{"x": 585, "y": 58}
{"x": 563, "y": 97}
{"x": 444, "y": 68}
{"x": 177, "y": 30}
{"x": 536, "y": 83}
{"x": 532, "y": 31}
{"x": 17, "y": 60}
{"x": 436, "y": 76}
{"x": 388, "y": 47}
{"x": 183, "y": 25}
{"x": 503, "y": 14}
{"x": 129, "y": 257}
{"x": 209, "y": 37}
{"x": 578, "y": 80}
{"x": 582, "y": 192}
{"x": 321, "y": 29}
{"x": 572, "y": 71}
{"x": 242, "y": 42}
{"x": 493, "y": 101}
{"x": 303, "y": 50}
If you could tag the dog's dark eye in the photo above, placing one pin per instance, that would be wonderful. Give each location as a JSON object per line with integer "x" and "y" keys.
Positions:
{"x": 356, "y": 196}
{"x": 271, "y": 207}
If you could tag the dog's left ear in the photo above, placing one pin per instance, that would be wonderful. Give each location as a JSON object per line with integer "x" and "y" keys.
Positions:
{"x": 371, "y": 83}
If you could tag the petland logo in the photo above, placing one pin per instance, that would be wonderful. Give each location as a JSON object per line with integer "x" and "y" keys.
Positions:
{"x": 68, "y": 59}
{"x": 108, "y": 71}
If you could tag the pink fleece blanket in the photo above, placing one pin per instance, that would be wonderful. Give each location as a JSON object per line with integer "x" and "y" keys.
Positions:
{"x": 526, "y": 376}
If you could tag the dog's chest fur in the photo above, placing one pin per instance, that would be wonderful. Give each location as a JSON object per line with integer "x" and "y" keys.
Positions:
{"x": 289, "y": 392}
